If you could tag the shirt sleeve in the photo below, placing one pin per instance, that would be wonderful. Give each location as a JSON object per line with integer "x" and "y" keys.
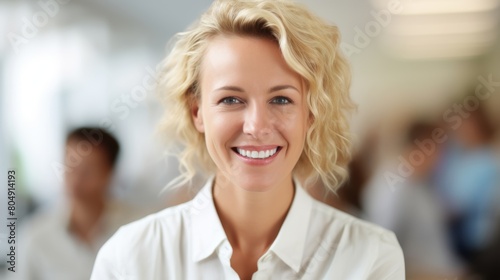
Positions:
{"x": 389, "y": 264}
{"x": 107, "y": 264}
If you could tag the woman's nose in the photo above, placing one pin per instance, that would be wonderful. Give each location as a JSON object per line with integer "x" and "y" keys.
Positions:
{"x": 258, "y": 121}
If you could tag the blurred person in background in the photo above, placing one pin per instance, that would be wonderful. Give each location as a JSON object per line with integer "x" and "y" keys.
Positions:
{"x": 469, "y": 183}
{"x": 61, "y": 243}
{"x": 413, "y": 211}
{"x": 421, "y": 225}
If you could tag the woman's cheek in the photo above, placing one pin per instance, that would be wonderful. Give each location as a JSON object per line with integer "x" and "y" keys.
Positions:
{"x": 287, "y": 115}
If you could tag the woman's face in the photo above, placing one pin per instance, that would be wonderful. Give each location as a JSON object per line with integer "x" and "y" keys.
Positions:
{"x": 252, "y": 111}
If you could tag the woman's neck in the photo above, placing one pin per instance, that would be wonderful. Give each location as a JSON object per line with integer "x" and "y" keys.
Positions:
{"x": 252, "y": 220}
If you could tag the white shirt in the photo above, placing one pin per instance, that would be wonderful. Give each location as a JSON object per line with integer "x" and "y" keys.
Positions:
{"x": 188, "y": 242}
{"x": 49, "y": 251}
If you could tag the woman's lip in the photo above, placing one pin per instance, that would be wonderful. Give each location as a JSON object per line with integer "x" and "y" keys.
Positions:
{"x": 257, "y": 148}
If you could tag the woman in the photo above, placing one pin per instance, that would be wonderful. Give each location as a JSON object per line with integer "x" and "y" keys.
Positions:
{"x": 258, "y": 95}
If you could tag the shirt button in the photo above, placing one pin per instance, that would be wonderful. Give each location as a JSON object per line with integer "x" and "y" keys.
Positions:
{"x": 226, "y": 251}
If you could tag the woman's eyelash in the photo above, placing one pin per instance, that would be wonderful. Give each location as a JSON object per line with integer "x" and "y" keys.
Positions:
{"x": 230, "y": 100}
{"x": 281, "y": 100}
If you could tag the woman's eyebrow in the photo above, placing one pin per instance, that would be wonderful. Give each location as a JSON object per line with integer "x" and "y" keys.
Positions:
{"x": 282, "y": 87}
{"x": 231, "y": 88}
{"x": 273, "y": 89}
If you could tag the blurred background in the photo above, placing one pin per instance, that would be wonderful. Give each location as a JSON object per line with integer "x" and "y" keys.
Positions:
{"x": 426, "y": 78}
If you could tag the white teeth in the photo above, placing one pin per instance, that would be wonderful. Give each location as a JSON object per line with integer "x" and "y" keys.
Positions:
{"x": 257, "y": 154}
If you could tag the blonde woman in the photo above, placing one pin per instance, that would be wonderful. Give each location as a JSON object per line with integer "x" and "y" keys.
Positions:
{"x": 258, "y": 95}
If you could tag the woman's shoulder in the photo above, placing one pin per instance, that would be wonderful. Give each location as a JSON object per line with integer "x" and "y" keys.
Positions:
{"x": 353, "y": 239}
{"x": 136, "y": 247}
{"x": 337, "y": 220}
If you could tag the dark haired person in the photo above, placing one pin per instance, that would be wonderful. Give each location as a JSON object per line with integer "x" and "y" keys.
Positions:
{"x": 62, "y": 242}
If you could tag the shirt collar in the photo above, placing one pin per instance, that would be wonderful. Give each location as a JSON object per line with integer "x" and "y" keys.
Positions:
{"x": 208, "y": 233}
{"x": 290, "y": 242}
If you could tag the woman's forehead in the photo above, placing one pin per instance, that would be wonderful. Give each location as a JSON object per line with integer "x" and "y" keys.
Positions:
{"x": 238, "y": 59}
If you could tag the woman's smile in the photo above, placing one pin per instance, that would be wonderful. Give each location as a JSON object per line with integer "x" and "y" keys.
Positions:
{"x": 257, "y": 155}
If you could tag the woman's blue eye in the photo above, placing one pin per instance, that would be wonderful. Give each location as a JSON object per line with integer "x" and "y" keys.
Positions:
{"x": 230, "y": 100}
{"x": 281, "y": 100}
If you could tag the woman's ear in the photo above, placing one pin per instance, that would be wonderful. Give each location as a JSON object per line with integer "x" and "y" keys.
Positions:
{"x": 196, "y": 114}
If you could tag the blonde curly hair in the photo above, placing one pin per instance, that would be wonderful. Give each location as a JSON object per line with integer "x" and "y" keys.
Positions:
{"x": 310, "y": 47}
